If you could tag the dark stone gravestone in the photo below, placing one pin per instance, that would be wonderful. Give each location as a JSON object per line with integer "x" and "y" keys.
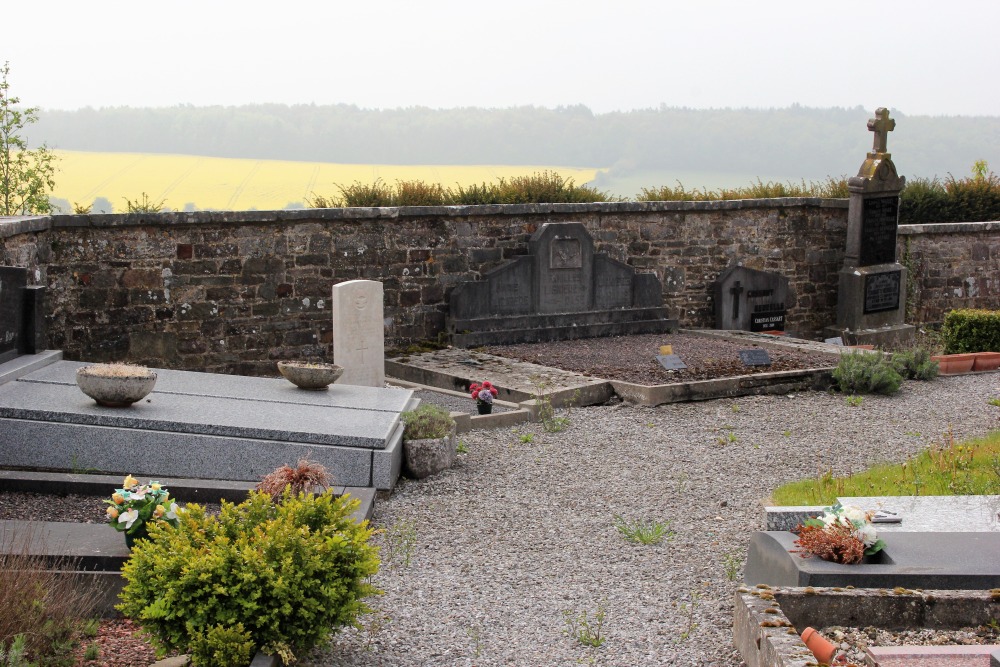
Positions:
{"x": 750, "y": 300}
{"x": 22, "y": 315}
{"x": 872, "y": 294}
{"x": 755, "y": 357}
{"x": 562, "y": 289}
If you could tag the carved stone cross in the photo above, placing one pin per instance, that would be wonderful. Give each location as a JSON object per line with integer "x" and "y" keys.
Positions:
{"x": 881, "y": 125}
{"x": 736, "y": 290}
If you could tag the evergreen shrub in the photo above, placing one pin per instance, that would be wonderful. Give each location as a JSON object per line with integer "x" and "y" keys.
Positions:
{"x": 427, "y": 421}
{"x": 291, "y": 573}
{"x": 971, "y": 330}
{"x": 866, "y": 373}
{"x": 915, "y": 364}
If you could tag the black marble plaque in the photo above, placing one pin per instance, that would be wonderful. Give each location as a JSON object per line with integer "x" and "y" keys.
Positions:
{"x": 671, "y": 362}
{"x": 768, "y": 320}
{"x": 755, "y": 357}
{"x": 879, "y": 217}
{"x": 882, "y": 291}
{"x": 12, "y": 283}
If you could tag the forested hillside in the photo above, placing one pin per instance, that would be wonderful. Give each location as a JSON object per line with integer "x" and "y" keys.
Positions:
{"x": 811, "y": 143}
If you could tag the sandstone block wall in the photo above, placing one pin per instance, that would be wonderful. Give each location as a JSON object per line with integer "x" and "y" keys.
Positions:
{"x": 236, "y": 291}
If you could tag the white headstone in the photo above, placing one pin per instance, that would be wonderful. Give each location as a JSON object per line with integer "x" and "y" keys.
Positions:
{"x": 358, "y": 333}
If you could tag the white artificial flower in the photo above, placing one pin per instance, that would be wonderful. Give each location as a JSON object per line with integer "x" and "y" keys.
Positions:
{"x": 172, "y": 513}
{"x": 866, "y": 534}
{"x": 853, "y": 513}
{"x": 128, "y": 518}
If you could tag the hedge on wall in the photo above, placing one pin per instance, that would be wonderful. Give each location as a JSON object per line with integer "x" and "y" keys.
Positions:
{"x": 968, "y": 330}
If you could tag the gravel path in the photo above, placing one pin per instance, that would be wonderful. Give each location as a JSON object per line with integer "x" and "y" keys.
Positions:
{"x": 519, "y": 533}
{"x": 522, "y": 531}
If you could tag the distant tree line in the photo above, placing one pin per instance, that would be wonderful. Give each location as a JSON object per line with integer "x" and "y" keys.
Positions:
{"x": 811, "y": 143}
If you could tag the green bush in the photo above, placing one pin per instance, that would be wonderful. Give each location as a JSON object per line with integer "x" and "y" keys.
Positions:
{"x": 291, "y": 573}
{"x": 972, "y": 199}
{"x": 427, "y": 421}
{"x": 969, "y": 330}
{"x": 222, "y": 647}
{"x": 540, "y": 187}
{"x": 915, "y": 364}
{"x": 866, "y": 373}
{"x": 832, "y": 188}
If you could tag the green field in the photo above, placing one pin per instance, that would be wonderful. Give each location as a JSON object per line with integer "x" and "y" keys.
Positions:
{"x": 190, "y": 182}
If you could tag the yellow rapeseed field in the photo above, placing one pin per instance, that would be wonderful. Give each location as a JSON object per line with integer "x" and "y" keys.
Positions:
{"x": 199, "y": 183}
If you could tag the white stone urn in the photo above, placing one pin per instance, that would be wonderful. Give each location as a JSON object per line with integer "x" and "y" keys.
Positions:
{"x": 313, "y": 376}
{"x": 115, "y": 385}
{"x": 429, "y": 457}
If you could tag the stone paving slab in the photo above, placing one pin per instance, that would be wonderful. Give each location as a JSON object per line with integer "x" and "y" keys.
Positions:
{"x": 924, "y": 514}
{"x": 932, "y": 656}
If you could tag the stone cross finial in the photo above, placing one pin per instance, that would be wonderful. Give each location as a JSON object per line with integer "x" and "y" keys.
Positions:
{"x": 881, "y": 125}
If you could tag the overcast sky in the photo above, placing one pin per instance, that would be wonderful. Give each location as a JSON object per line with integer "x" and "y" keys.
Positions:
{"x": 917, "y": 57}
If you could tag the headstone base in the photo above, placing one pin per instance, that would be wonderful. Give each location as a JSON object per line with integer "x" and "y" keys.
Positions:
{"x": 887, "y": 336}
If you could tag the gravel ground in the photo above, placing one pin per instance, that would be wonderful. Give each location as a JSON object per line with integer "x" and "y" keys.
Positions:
{"x": 454, "y": 403}
{"x": 633, "y": 358}
{"x": 482, "y": 563}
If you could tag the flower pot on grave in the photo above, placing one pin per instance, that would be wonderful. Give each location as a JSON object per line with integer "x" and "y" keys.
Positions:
{"x": 484, "y": 407}
{"x": 428, "y": 457}
{"x": 315, "y": 377}
{"x": 986, "y": 361}
{"x": 822, "y": 648}
{"x": 950, "y": 364}
{"x": 115, "y": 385}
{"x": 140, "y": 533}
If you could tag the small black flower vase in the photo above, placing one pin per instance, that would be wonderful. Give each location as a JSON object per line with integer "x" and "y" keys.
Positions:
{"x": 484, "y": 407}
{"x": 140, "y": 533}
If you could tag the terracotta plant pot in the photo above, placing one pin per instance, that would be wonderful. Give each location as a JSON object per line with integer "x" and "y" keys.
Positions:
{"x": 950, "y": 364}
{"x": 819, "y": 645}
{"x": 315, "y": 377}
{"x": 986, "y": 361}
{"x": 115, "y": 385}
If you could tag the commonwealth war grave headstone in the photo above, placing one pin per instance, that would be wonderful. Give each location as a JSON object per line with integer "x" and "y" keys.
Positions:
{"x": 359, "y": 332}
{"x": 750, "y": 300}
{"x": 562, "y": 289}
{"x": 872, "y": 293}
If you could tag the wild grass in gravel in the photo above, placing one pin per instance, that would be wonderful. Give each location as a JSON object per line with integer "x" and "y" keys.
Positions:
{"x": 41, "y": 601}
{"x": 586, "y": 630}
{"x": 397, "y": 544}
{"x": 945, "y": 468}
{"x": 644, "y": 531}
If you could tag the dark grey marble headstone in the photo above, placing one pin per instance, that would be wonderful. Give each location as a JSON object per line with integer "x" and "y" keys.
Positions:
{"x": 562, "y": 289}
{"x": 22, "y": 314}
{"x": 750, "y": 300}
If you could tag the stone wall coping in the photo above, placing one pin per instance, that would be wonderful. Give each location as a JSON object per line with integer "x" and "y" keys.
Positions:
{"x": 950, "y": 228}
{"x": 13, "y": 226}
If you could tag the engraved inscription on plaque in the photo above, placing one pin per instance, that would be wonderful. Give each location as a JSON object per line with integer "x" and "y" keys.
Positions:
{"x": 565, "y": 254}
{"x": 755, "y": 357}
{"x": 879, "y": 217}
{"x": 882, "y": 292}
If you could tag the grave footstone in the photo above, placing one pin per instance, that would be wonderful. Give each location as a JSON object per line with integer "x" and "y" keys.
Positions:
{"x": 22, "y": 315}
{"x": 562, "y": 289}
{"x": 872, "y": 292}
{"x": 750, "y": 300}
{"x": 359, "y": 333}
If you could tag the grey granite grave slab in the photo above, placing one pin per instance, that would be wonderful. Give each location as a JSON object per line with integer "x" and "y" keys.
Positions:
{"x": 203, "y": 415}
{"x": 24, "y": 364}
{"x": 277, "y": 390}
{"x": 939, "y": 560}
{"x": 202, "y": 425}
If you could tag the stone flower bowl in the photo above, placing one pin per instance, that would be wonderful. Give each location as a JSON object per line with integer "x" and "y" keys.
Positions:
{"x": 310, "y": 376}
{"x": 115, "y": 385}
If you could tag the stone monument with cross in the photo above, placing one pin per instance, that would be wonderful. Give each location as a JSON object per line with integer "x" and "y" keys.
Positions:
{"x": 872, "y": 291}
{"x": 359, "y": 332}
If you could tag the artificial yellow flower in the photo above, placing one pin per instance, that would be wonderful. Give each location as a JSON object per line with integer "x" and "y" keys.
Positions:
{"x": 118, "y": 498}
{"x": 155, "y": 486}
{"x": 158, "y": 512}
{"x": 129, "y": 482}
{"x": 112, "y": 512}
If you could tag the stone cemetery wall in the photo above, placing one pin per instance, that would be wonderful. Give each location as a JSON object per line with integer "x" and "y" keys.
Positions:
{"x": 236, "y": 291}
{"x": 952, "y": 265}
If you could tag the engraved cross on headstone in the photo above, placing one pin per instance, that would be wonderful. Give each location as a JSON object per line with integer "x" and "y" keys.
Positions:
{"x": 736, "y": 290}
{"x": 881, "y": 125}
